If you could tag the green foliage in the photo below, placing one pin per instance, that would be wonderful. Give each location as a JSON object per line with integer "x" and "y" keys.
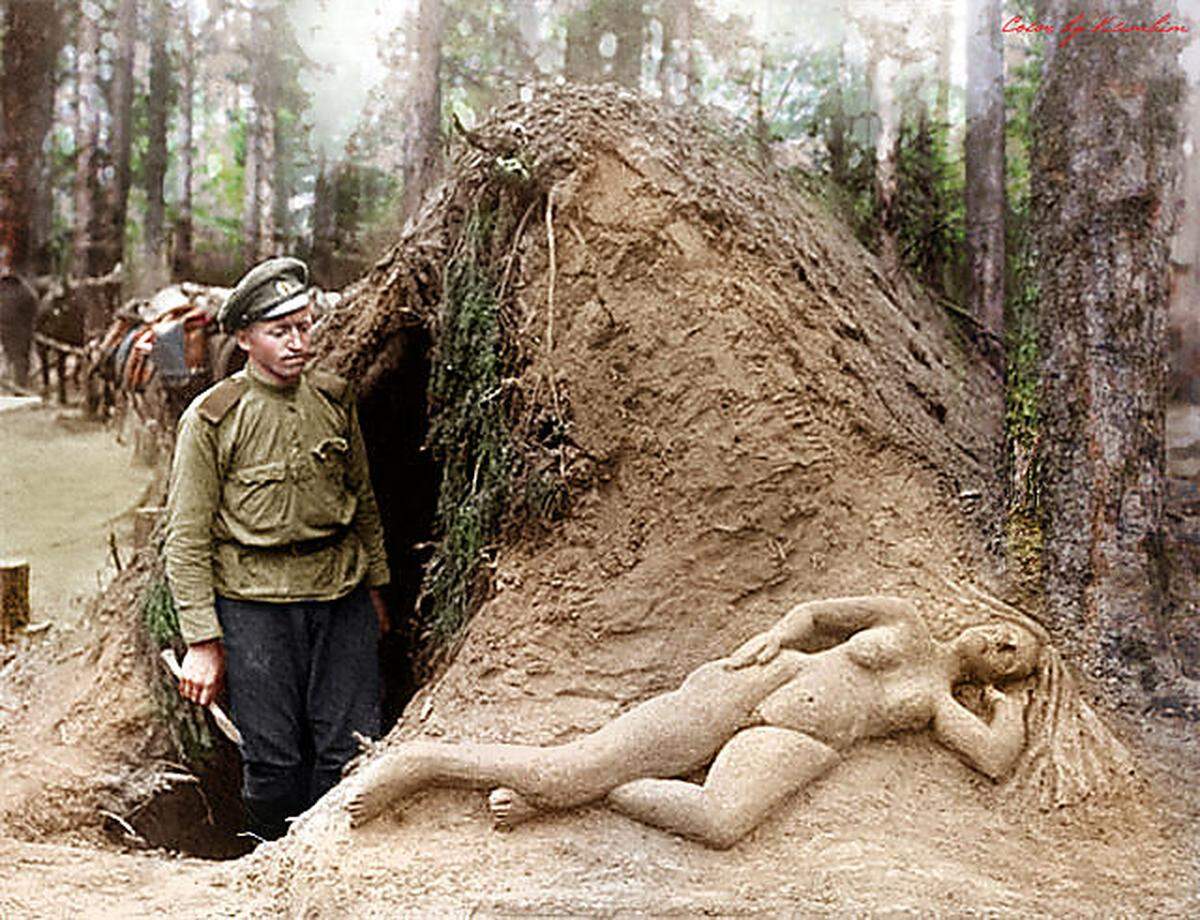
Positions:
{"x": 160, "y": 616}
{"x": 1024, "y": 538}
{"x": 186, "y": 725}
{"x": 469, "y": 434}
{"x": 929, "y": 204}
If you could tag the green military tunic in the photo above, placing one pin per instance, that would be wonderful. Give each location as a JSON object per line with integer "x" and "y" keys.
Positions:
{"x": 270, "y": 498}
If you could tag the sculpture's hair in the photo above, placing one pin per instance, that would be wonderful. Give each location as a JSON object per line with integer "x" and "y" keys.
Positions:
{"x": 1070, "y": 756}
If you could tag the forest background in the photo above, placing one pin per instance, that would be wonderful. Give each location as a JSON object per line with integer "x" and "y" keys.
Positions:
{"x": 188, "y": 139}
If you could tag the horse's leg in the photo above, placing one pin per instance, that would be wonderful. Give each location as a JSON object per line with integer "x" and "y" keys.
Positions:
{"x": 754, "y": 774}
{"x": 44, "y": 361}
{"x": 60, "y": 367}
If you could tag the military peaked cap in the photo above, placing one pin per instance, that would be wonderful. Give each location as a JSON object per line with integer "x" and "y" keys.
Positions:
{"x": 271, "y": 289}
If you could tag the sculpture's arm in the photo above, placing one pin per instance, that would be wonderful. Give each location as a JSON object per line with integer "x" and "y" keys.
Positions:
{"x": 808, "y": 622}
{"x": 991, "y": 748}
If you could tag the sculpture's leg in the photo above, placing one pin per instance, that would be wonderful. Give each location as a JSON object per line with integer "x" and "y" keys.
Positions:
{"x": 667, "y": 735}
{"x": 754, "y": 773}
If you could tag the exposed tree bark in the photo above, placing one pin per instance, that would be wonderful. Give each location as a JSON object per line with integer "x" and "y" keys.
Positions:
{"x": 156, "y": 147}
{"x": 121, "y": 109}
{"x": 1105, "y": 150}
{"x": 984, "y": 195}
{"x": 87, "y": 256}
{"x": 422, "y": 160}
{"x": 32, "y": 35}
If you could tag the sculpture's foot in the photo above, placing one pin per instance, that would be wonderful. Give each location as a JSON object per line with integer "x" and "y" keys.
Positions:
{"x": 382, "y": 783}
{"x": 509, "y": 808}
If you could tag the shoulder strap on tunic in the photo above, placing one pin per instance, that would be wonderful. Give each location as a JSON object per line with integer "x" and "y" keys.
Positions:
{"x": 337, "y": 388}
{"x": 220, "y": 399}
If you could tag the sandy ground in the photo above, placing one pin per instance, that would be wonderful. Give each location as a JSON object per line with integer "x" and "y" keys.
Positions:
{"x": 44, "y": 880}
{"x": 65, "y": 485}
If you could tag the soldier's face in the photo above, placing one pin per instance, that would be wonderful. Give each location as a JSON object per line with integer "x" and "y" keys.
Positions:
{"x": 279, "y": 348}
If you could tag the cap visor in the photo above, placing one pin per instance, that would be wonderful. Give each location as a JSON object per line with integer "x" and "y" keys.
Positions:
{"x": 291, "y": 305}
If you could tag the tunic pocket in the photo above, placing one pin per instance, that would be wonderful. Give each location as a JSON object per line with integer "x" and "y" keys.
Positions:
{"x": 331, "y": 455}
{"x": 258, "y": 496}
{"x": 328, "y": 495}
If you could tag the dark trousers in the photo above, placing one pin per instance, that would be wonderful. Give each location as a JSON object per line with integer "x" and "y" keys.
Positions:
{"x": 302, "y": 677}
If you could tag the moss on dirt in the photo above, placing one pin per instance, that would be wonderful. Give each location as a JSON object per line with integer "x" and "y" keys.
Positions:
{"x": 185, "y": 724}
{"x": 469, "y": 432}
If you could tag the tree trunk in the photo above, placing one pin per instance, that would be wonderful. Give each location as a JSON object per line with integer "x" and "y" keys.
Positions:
{"x": 156, "y": 146}
{"x": 884, "y": 70}
{"x": 680, "y": 69}
{"x": 280, "y": 187}
{"x": 86, "y": 256}
{"x": 984, "y": 195}
{"x": 121, "y": 108}
{"x": 422, "y": 161}
{"x": 32, "y": 36}
{"x": 250, "y": 187}
{"x": 268, "y": 241}
{"x": 14, "y": 597}
{"x": 1184, "y": 321}
{"x": 628, "y": 27}
{"x": 839, "y": 152}
{"x": 323, "y": 224}
{"x": 1105, "y": 149}
{"x": 941, "y": 108}
{"x": 591, "y": 56}
{"x": 258, "y": 202}
{"x": 762, "y": 130}
{"x": 182, "y": 267}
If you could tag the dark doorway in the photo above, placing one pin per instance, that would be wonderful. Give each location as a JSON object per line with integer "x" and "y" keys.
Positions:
{"x": 394, "y": 423}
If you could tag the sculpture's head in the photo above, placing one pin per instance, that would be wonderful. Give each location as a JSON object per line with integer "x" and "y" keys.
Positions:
{"x": 997, "y": 652}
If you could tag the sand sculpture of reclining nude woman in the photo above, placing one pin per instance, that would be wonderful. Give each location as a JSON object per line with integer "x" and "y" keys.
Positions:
{"x": 767, "y": 720}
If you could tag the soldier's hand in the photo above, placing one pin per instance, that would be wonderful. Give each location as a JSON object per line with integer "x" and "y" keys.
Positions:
{"x": 381, "y": 611}
{"x": 203, "y": 671}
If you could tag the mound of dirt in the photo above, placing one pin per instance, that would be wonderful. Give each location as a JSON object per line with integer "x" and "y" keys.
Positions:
{"x": 753, "y": 412}
{"x": 86, "y": 748}
{"x": 747, "y": 411}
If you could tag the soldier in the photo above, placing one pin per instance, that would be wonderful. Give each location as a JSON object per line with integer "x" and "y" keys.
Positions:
{"x": 275, "y": 553}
